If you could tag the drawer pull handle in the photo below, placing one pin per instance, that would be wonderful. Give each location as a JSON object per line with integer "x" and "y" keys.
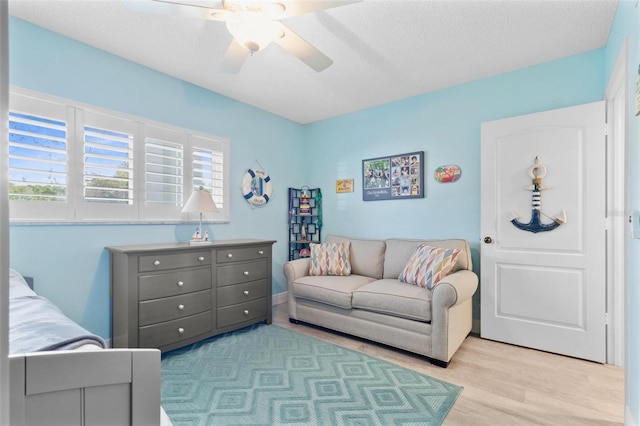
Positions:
{"x": 260, "y": 252}
{"x": 200, "y": 258}
{"x": 181, "y": 330}
{"x": 246, "y": 273}
{"x": 246, "y": 292}
{"x": 180, "y": 283}
{"x": 156, "y": 262}
{"x": 229, "y": 255}
{"x": 180, "y": 307}
{"x": 246, "y": 312}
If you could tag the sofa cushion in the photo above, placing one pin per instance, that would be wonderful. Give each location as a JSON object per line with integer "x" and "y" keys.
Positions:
{"x": 392, "y": 297}
{"x": 398, "y": 252}
{"x": 367, "y": 256}
{"x": 428, "y": 265}
{"x": 330, "y": 259}
{"x": 333, "y": 290}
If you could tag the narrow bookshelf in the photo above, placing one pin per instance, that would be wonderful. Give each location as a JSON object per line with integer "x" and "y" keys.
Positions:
{"x": 305, "y": 220}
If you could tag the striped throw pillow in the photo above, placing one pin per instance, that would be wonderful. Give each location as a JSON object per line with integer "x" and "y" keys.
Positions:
{"x": 330, "y": 259}
{"x": 428, "y": 265}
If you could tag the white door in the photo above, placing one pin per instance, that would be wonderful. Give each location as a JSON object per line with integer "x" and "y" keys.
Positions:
{"x": 545, "y": 290}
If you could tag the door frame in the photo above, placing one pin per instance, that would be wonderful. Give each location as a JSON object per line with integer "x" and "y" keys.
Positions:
{"x": 617, "y": 107}
{"x": 4, "y": 216}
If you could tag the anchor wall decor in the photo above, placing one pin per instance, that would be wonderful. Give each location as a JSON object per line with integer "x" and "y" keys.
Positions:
{"x": 535, "y": 225}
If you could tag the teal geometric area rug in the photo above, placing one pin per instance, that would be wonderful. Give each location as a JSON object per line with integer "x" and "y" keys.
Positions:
{"x": 268, "y": 375}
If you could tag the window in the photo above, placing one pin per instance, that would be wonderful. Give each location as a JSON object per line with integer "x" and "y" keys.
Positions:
{"x": 108, "y": 166}
{"x": 208, "y": 169}
{"x": 37, "y": 158}
{"x": 73, "y": 163}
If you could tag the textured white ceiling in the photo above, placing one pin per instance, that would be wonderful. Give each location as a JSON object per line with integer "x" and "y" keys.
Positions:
{"x": 383, "y": 50}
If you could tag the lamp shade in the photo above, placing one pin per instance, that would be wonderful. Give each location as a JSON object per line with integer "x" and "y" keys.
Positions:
{"x": 200, "y": 201}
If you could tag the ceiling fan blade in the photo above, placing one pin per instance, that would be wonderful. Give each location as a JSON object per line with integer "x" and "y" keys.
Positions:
{"x": 184, "y": 8}
{"x": 297, "y": 7}
{"x": 234, "y": 58}
{"x": 303, "y": 50}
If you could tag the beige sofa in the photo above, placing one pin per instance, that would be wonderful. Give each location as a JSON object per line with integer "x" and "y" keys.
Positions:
{"x": 373, "y": 304}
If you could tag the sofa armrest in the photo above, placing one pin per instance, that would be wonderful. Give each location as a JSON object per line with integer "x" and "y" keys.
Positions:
{"x": 295, "y": 269}
{"x": 451, "y": 313}
{"x": 455, "y": 288}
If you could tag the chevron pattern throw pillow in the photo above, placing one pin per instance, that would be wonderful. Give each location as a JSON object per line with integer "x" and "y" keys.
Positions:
{"x": 330, "y": 259}
{"x": 428, "y": 265}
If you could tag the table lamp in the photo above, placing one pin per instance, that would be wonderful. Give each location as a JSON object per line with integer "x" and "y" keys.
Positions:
{"x": 200, "y": 201}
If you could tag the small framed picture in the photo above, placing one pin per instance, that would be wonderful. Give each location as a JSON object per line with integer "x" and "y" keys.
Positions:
{"x": 396, "y": 177}
{"x": 344, "y": 185}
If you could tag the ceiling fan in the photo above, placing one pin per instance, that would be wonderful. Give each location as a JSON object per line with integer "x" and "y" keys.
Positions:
{"x": 254, "y": 24}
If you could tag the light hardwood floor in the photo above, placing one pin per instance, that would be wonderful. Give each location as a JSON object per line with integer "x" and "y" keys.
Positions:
{"x": 505, "y": 384}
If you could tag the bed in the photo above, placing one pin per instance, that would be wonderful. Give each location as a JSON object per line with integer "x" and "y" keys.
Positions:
{"x": 61, "y": 374}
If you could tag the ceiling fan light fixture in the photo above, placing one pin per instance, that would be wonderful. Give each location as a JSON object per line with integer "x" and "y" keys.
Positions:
{"x": 253, "y": 30}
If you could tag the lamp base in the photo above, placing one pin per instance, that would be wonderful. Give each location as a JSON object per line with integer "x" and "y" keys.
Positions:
{"x": 200, "y": 242}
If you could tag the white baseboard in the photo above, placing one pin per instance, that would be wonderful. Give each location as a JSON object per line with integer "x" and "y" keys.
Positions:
{"x": 279, "y": 298}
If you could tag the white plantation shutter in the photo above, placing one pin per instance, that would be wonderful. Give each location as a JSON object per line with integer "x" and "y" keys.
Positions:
{"x": 108, "y": 166}
{"x": 207, "y": 172}
{"x": 208, "y": 157}
{"x": 107, "y": 159}
{"x": 37, "y": 157}
{"x": 73, "y": 163}
{"x": 164, "y": 168}
{"x": 39, "y": 163}
{"x": 163, "y": 176}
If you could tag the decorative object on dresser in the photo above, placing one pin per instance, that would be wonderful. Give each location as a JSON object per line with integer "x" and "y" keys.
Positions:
{"x": 305, "y": 220}
{"x": 170, "y": 295}
{"x": 200, "y": 201}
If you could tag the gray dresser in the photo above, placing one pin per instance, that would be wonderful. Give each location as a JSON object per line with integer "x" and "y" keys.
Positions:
{"x": 170, "y": 295}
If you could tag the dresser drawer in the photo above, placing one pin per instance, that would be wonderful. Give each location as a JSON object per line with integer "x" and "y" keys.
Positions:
{"x": 153, "y": 336}
{"x": 239, "y": 293}
{"x": 162, "y": 262}
{"x": 234, "y": 314}
{"x": 170, "y": 308}
{"x": 173, "y": 283}
{"x": 224, "y": 255}
{"x": 235, "y": 273}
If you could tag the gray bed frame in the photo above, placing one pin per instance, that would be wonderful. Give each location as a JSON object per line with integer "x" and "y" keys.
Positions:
{"x": 92, "y": 387}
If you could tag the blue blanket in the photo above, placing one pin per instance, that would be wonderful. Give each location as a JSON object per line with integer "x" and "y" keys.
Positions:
{"x": 36, "y": 324}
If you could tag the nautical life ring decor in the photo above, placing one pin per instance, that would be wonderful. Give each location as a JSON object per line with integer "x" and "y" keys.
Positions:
{"x": 256, "y": 187}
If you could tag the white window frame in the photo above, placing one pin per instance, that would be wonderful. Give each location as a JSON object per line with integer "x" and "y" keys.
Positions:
{"x": 75, "y": 210}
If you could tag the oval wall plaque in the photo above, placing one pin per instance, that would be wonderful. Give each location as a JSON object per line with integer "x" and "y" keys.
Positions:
{"x": 447, "y": 174}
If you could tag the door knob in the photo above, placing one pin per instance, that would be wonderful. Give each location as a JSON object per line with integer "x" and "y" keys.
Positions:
{"x": 488, "y": 240}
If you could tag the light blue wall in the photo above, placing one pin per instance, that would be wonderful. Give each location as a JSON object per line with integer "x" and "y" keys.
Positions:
{"x": 69, "y": 262}
{"x": 446, "y": 126}
{"x": 627, "y": 26}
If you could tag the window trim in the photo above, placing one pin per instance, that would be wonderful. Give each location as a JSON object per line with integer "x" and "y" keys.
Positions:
{"x": 75, "y": 213}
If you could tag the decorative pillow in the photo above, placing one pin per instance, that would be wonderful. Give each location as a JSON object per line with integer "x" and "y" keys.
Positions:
{"x": 330, "y": 259}
{"x": 428, "y": 265}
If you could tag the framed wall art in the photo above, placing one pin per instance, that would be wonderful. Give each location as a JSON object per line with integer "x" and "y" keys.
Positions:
{"x": 344, "y": 185}
{"x": 396, "y": 177}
